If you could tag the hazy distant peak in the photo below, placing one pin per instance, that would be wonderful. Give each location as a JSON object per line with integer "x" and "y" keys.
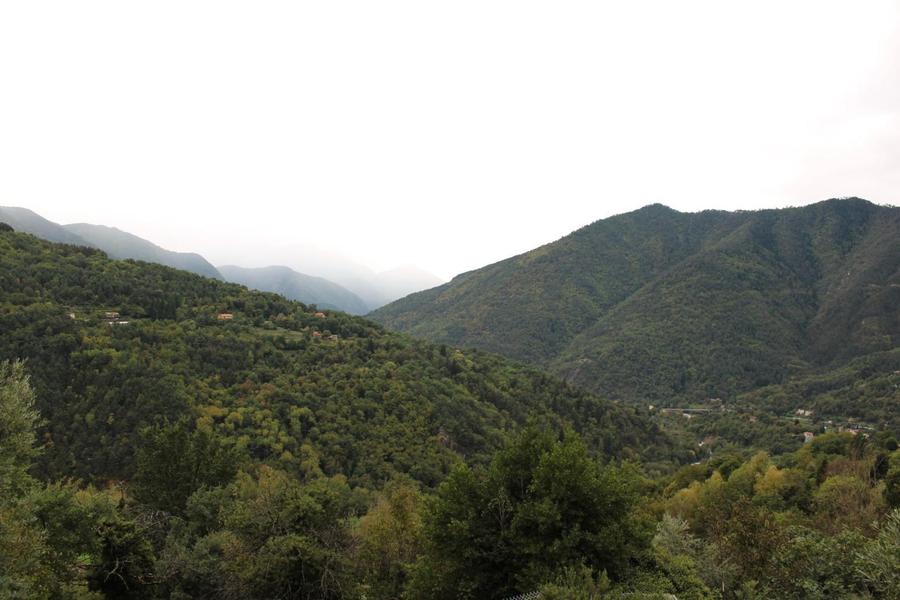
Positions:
{"x": 121, "y": 244}
{"x": 289, "y": 283}
{"x": 28, "y": 221}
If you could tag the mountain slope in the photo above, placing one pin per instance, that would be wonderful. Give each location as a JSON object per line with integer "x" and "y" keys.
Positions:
{"x": 657, "y": 304}
{"x": 290, "y": 388}
{"x": 121, "y": 244}
{"x": 296, "y": 286}
{"x": 531, "y": 306}
{"x": 27, "y": 221}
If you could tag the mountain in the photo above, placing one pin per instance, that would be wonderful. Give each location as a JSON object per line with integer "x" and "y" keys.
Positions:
{"x": 211, "y": 441}
{"x": 27, "y": 221}
{"x": 374, "y": 288}
{"x": 296, "y": 286}
{"x": 121, "y": 244}
{"x": 116, "y": 243}
{"x": 661, "y": 305}
{"x": 334, "y": 280}
{"x": 284, "y": 384}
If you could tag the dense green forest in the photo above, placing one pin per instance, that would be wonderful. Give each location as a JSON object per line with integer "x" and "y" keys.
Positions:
{"x": 665, "y": 307}
{"x": 863, "y": 396}
{"x": 285, "y": 383}
{"x": 541, "y": 515}
{"x": 171, "y": 436}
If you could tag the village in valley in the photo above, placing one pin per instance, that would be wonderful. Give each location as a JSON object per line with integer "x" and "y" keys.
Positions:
{"x": 711, "y": 421}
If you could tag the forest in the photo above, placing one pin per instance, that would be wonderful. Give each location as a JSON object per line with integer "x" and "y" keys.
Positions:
{"x": 663, "y": 307}
{"x": 543, "y": 514}
{"x": 163, "y": 435}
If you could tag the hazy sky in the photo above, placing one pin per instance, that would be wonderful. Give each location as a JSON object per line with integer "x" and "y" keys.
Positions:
{"x": 445, "y": 134}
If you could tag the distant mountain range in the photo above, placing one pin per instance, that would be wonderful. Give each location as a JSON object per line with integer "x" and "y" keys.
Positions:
{"x": 121, "y": 245}
{"x": 27, "y": 221}
{"x": 374, "y": 288}
{"x": 116, "y": 243}
{"x": 297, "y": 286}
{"x": 357, "y": 290}
{"x": 662, "y": 305}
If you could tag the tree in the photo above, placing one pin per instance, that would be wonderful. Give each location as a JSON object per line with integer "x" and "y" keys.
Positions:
{"x": 877, "y": 562}
{"x": 25, "y": 570}
{"x": 18, "y": 420}
{"x": 389, "y": 539}
{"x": 173, "y": 462}
{"x": 290, "y": 539}
{"x": 543, "y": 505}
{"x": 47, "y": 538}
{"x": 892, "y": 480}
{"x": 844, "y": 500}
{"x": 576, "y": 583}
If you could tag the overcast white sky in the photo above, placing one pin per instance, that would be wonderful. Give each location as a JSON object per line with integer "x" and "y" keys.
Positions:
{"x": 445, "y": 134}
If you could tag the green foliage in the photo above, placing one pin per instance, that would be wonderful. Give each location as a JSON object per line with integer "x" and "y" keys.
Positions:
{"x": 123, "y": 563}
{"x": 786, "y": 529}
{"x": 57, "y": 541}
{"x": 877, "y": 562}
{"x": 368, "y": 404}
{"x": 389, "y": 538}
{"x": 676, "y": 307}
{"x": 18, "y": 420}
{"x": 815, "y": 565}
{"x": 865, "y": 390}
{"x": 26, "y": 568}
{"x": 892, "y": 481}
{"x": 542, "y": 505}
{"x": 270, "y": 537}
{"x": 676, "y": 556}
{"x": 576, "y": 583}
{"x": 275, "y": 463}
{"x": 173, "y": 462}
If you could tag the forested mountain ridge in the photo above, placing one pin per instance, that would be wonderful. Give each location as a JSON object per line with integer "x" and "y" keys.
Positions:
{"x": 123, "y": 245}
{"x": 291, "y": 387}
{"x": 296, "y": 286}
{"x": 115, "y": 242}
{"x": 364, "y": 289}
{"x": 28, "y": 221}
{"x": 661, "y": 305}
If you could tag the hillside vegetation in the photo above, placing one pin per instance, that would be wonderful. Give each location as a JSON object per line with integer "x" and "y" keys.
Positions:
{"x": 669, "y": 307}
{"x": 297, "y": 389}
{"x": 175, "y": 436}
{"x": 200, "y": 520}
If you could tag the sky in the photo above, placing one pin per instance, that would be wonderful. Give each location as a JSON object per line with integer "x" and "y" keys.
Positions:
{"x": 448, "y": 135}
